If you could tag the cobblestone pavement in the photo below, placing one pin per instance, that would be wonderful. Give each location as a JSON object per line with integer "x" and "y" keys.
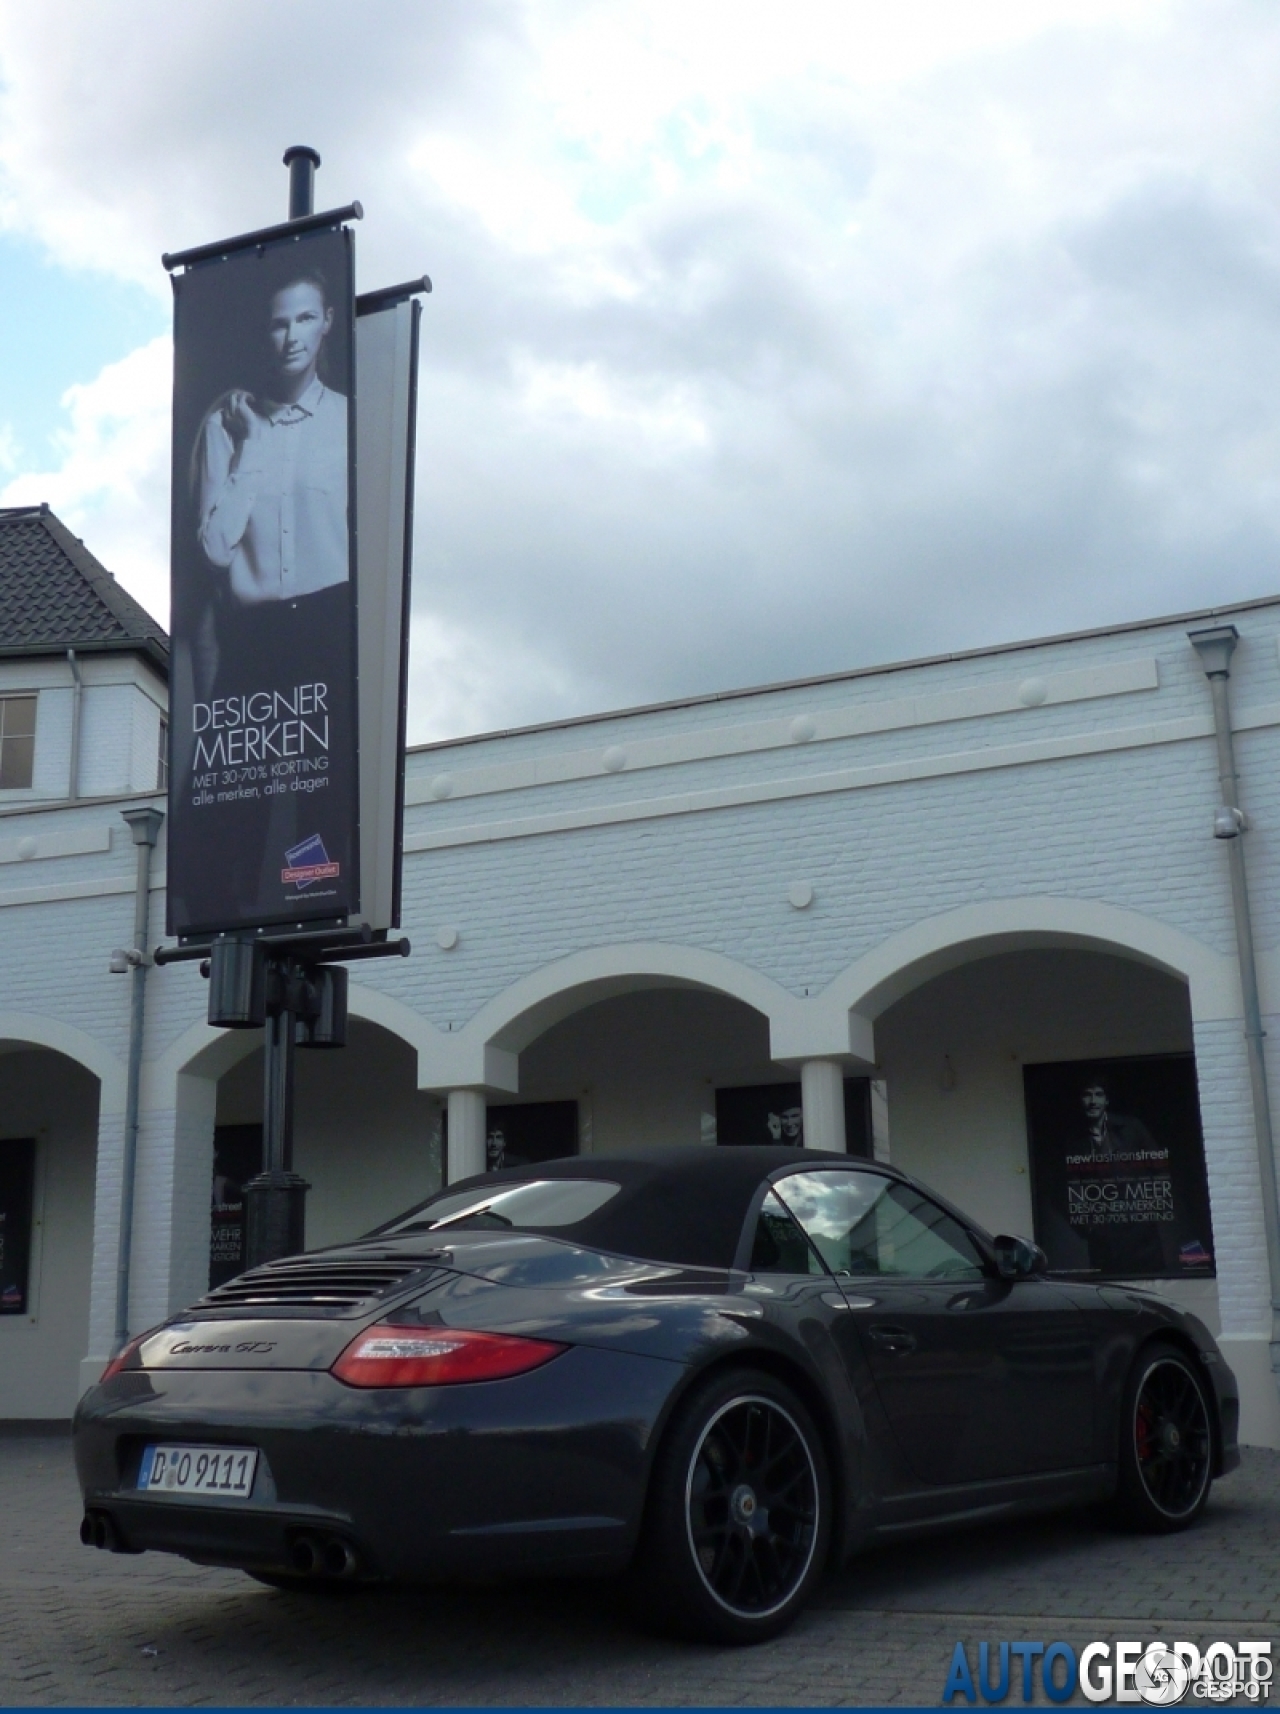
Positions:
{"x": 86, "y": 1627}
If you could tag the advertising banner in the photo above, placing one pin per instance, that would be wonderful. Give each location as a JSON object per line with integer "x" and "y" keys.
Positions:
{"x": 766, "y": 1114}
{"x": 237, "y": 1157}
{"x": 387, "y": 358}
{"x": 521, "y": 1132}
{"x": 263, "y": 786}
{"x": 17, "y": 1184}
{"x": 1117, "y": 1167}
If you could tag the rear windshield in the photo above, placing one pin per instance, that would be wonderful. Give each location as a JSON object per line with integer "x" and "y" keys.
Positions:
{"x": 533, "y": 1206}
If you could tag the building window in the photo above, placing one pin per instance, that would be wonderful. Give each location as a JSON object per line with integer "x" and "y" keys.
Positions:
{"x": 162, "y": 757}
{"x": 17, "y": 741}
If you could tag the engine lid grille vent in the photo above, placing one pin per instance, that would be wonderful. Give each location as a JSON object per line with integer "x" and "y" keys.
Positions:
{"x": 297, "y": 1283}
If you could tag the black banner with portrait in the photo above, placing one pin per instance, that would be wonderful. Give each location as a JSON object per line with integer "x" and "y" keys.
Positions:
{"x": 237, "y": 1157}
{"x": 1117, "y": 1167}
{"x": 764, "y": 1115}
{"x": 520, "y": 1133}
{"x": 263, "y": 789}
{"x": 17, "y": 1188}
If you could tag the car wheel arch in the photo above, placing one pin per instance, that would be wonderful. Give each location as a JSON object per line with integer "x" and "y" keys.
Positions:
{"x": 780, "y": 1367}
{"x": 1186, "y": 1346}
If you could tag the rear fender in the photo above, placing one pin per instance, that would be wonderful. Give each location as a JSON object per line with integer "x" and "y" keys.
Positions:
{"x": 847, "y": 1454}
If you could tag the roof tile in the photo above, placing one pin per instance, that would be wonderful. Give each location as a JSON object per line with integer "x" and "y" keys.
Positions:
{"x": 55, "y": 595}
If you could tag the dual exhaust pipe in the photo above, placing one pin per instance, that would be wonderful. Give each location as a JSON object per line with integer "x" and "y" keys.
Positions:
{"x": 327, "y": 1556}
{"x": 310, "y": 1554}
{"x": 98, "y": 1529}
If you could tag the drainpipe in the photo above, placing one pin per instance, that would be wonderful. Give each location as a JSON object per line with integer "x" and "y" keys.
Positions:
{"x": 77, "y": 695}
{"x": 145, "y": 825}
{"x": 1215, "y": 648}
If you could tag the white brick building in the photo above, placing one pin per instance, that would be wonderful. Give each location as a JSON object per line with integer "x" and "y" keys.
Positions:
{"x": 932, "y": 874}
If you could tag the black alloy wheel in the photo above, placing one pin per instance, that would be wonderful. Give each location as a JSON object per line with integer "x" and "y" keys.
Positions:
{"x": 1166, "y": 1450}
{"x": 739, "y": 1520}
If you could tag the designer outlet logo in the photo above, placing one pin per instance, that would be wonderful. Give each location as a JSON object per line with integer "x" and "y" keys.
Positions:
{"x": 1159, "y": 1674}
{"x": 308, "y": 863}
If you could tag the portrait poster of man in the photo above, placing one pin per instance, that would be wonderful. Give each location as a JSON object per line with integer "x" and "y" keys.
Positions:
{"x": 263, "y": 799}
{"x": 520, "y": 1133}
{"x": 17, "y": 1188}
{"x": 237, "y": 1157}
{"x": 767, "y": 1115}
{"x": 1117, "y": 1167}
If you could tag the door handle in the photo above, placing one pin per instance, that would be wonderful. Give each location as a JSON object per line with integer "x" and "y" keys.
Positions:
{"x": 895, "y": 1340}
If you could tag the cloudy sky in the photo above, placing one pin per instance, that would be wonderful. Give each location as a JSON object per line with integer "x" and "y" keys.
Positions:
{"x": 766, "y": 339}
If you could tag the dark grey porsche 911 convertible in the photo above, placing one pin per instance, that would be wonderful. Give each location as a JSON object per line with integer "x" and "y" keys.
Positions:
{"x": 721, "y": 1369}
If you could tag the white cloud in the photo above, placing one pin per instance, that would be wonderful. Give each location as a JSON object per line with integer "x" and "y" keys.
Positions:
{"x": 757, "y": 347}
{"x": 112, "y": 482}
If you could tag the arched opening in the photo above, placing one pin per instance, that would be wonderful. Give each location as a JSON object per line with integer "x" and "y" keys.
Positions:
{"x": 644, "y": 1066}
{"x": 49, "y": 1117}
{"x": 1051, "y": 1090}
{"x": 366, "y": 1139}
{"x": 659, "y": 1065}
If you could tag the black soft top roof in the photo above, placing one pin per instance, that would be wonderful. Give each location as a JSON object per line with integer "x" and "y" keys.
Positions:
{"x": 685, "y": 1205}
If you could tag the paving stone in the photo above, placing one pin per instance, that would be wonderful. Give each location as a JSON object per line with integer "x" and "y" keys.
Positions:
{"x": 75, "y": 1621}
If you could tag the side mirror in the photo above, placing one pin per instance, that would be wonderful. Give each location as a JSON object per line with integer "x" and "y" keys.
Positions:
{"x": 1018, "y": 1258}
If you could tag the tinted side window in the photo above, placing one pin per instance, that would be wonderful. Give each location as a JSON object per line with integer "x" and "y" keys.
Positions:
{"x": 780, "y": 1246}
{"x": 863, "y": 1224}
{"x": 535, "y": 1205}
{"x": 918, "y": 1240}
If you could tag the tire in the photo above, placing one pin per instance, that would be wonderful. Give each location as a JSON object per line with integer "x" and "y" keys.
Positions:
{"x": 1166, "y": 1442}
{"x": 738, "y": 1523}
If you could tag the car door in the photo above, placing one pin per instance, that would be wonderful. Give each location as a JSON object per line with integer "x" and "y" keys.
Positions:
{"x": 787, "y": 1272}
{"x": 980, "y": 1377}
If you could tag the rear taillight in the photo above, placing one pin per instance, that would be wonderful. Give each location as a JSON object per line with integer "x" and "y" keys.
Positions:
{"x": 385, "y": 1356}
{"x": 122, "y": 1356}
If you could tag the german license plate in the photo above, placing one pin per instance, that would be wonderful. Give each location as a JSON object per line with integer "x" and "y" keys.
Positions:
{"x": 198, "y": 1470}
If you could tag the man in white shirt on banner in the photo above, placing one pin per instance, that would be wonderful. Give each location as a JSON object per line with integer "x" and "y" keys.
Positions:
{"x": 273, "y": 471}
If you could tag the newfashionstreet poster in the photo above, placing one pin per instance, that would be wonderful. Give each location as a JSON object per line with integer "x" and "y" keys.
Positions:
{"x": 1117, "y": 1167}
{"x": 263, "y": 789}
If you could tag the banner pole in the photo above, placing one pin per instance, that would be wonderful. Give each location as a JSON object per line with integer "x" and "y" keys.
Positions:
{"x": 275, "y": 1201}
{"x": 302, "y": 162}
{"x": 263, "y": 643}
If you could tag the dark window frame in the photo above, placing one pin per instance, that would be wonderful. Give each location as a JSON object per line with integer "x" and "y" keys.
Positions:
{"x": 17, "y": 742}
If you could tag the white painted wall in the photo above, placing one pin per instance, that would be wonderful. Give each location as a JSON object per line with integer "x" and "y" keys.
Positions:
{"x": 121, "y": 705}
{"x": 49, "y": 1097}
{"x": 366, "y": 1138}
{"x": 645, "y": 1067}
{"x": 1062, "y": 789}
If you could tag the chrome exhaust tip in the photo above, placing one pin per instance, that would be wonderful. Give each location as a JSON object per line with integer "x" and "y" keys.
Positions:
{"x": 339, "y": 1558}
{"x": 306, "y": 1555}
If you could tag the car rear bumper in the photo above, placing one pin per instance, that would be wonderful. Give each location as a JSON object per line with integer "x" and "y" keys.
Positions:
{"x": 541, "y": 1472}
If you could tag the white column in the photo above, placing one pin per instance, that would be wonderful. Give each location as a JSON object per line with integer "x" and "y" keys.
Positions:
{"x": 466, "y": 1134}
{"x": 822, "y": 1096}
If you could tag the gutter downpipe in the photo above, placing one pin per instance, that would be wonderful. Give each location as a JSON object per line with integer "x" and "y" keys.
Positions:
{"x": 1215, "y": 648}
{"x": 145, "y": 826}
{"x": 77, "y": 696}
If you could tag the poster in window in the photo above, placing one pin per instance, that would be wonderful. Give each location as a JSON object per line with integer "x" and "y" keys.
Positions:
{"x": 1117, "y": 1167}
{"x": 771, "y": 1114}
{"x": 520, "y": 1133}
{"x": 17, "y": 1186}
{"x": 263, "y": 790}
{"x": 237, "y": 1157}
